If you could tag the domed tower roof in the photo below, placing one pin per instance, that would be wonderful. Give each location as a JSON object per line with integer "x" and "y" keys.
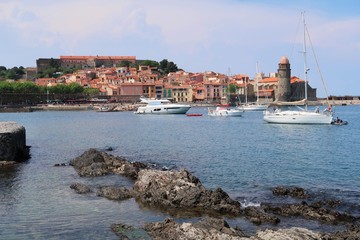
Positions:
{"x": 284, "y": 60}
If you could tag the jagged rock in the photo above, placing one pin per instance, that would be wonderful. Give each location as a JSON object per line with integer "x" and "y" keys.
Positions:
{"x": 326, "y": 203}
{"x": 212, "y": 228}
{"x": 257, "y": 216}
{"x": 126, "y": 232}
{"x": 80, "y": 188}
{"x": 114, "y": 193}
{"x": 352, "y": 233}
{"x": 96, "y": 163}
{"x": 309, "y": 212}
{"x": 208, "y": 228}
{"x": 181, "y": 190}
{"x": 286, "y": 234}
{"x": 296, "y": 192}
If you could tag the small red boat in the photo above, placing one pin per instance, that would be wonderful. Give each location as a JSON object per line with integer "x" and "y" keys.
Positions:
{"x": 194, "y": 114}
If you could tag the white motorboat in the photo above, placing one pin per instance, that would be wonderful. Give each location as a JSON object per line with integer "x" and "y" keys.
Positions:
{"x": 300, "y": 115}
{"x": 221, "y": 111}
{"x": 161, "y": 106}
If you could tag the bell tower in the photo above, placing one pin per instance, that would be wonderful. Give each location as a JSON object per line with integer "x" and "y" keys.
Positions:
{"x": 283, "y": 92}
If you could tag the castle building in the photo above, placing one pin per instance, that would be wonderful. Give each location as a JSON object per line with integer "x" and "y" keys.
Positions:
{"x": 82, "y": 61}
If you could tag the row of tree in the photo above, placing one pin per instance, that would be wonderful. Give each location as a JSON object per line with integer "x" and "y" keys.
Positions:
{"x": 30, "y": 87}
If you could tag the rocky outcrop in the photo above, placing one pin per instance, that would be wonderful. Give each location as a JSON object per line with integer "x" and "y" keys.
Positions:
{"x": 286, "y": 234}
{"x": 257, "y": 216}
{"x": 181, "y": 190}
{"x": 309, "y": 212}
{"x": 126, "y": 232}
{"x": 169, "y": 189}
{"x": 212, "y": 228}
{"x": 13, "y": 142}
{"x": 352, "y": 233}
{"x": 208, "y": 228}
{"x": 114, "y": 193}
{"x": 96, "y": 163}
{"x": 80, "y": 188}
{"x": 296, "y": 192}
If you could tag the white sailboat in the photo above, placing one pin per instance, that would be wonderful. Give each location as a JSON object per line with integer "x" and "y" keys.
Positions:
{"x": 300, "y": 115}
{"x": 255, "y": 106}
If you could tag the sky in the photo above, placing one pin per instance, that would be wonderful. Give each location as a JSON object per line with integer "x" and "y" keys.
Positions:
{"x": 224, "y": 36}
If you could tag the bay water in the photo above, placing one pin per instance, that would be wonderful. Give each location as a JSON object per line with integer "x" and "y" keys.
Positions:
{"x": 244, "y": 156}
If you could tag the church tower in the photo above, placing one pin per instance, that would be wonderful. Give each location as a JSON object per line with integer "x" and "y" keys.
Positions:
{"x": 283, "y": 92}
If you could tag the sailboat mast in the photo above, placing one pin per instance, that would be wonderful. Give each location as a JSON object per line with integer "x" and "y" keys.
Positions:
{"x": 305, "y": 60}
{"x": 246, "y": 100}
{"x": 257, "y": 83}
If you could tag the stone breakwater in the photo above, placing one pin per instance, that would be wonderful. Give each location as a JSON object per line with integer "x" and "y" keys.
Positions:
{"x": 12, "y": 142}
{"x": 180, "y": 193}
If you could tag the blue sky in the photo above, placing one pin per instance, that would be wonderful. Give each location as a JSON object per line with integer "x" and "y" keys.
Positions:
{"x": 225, "y": 36}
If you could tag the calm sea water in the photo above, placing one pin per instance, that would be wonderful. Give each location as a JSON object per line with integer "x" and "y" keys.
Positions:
{"x": 245, "y": 156}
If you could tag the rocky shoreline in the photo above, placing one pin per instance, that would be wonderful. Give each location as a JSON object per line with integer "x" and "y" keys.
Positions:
{"x": 180, "y": 191}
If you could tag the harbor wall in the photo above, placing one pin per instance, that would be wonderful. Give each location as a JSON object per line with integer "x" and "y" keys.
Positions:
{"x": 13, "y": 142}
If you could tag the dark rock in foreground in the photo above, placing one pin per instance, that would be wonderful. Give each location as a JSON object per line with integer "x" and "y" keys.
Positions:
{"x": 310, "y": 212}
{"x": 257, "y": 216}
{"x": 352, "y": 233}
{"x": 115, "y": 193}
{"x": 296, "y": 192}
{"x": 161, "y": 189}
{"x": 208, "y": 228}
{"x": 181, "y": 190}
{"x": 96, "y": 163}
{"x": 80, "y": 188}
{"x": 212, "y": 228}
{"x": 126, "y": 232}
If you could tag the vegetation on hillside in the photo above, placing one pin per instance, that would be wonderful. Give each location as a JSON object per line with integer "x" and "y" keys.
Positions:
{"x": 11, "y": 73}
{"x": 55, "y": 70}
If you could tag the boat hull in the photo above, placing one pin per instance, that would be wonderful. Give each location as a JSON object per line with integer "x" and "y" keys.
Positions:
{"x": 297, "y": 117}
{"x": 225, "y": 112}
{"x": 254, "y": 107}
{"x": 174, "y": 109}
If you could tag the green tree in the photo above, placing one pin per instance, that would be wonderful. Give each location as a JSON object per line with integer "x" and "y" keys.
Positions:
{"x": 165, "y": 66}
{"x": 6, "y": 87}
{"x": 91, "y": 91}
{"x": 171, "y": 67}
{"x": 125, "y": 64}
{"x": 150, "y": 63}
{"x": 232, "y": 88}
{"x": 10, "y": 74}
{"x": 75, "y": 88}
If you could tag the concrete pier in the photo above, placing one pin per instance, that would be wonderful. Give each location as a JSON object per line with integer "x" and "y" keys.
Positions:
{"x": 13, "y": 142}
